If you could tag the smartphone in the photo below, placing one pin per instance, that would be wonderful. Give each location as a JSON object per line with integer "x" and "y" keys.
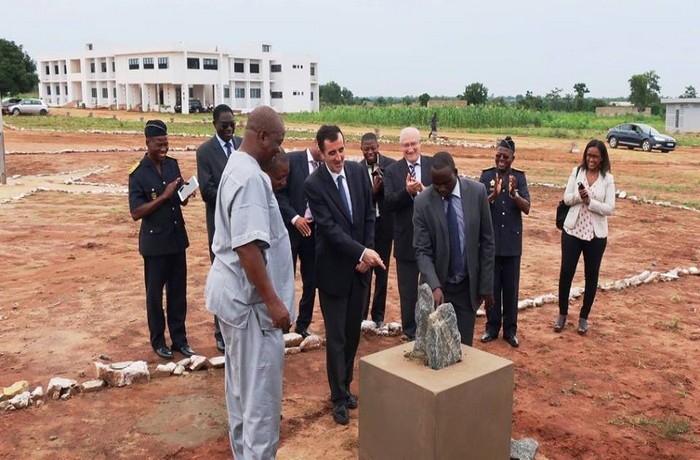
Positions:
{"x": 581, "y": 186}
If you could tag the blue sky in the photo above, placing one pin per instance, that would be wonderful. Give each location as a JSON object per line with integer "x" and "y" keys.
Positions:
{"x": 397, "y": 48}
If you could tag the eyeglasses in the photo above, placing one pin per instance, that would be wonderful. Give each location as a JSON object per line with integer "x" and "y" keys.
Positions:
{"x": 413, "y": 144}
{"x": 227, "y": 124}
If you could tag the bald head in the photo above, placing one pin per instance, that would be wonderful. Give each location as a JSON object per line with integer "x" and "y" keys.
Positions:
{"x": 264, "y": 134}
{"x": 264, "y": 118}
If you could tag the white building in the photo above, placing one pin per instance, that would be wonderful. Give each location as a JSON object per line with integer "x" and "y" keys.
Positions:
{"x": 682, "y": 115}
{"x": 157, "y": 79}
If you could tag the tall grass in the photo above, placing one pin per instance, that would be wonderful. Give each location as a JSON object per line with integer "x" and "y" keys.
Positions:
{"x": 472, "y": 117}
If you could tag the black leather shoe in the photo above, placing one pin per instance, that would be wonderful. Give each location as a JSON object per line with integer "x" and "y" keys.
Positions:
{"x": 304, "y": 333}
{"x": 164, "y": 352}
{"x": 221, "y": 346}
{"x": 513, "y": 341}
{"x": 185, "y": 350}
{"x": 486, "y": 338}
{"x": 352, "y": 402}
{"x": 340, "y": 413}
{"x": 560, "y": 323}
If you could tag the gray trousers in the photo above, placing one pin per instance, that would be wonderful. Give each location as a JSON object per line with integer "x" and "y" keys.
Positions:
{"x": 254, "y": 370}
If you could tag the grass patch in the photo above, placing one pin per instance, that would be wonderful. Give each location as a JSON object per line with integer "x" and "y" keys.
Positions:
{"x": 672, "y": 427}
{"x": 676, "y": 298}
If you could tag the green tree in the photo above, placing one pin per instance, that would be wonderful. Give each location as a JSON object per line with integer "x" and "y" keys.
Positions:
{"x": 423, "y": 99}
{"x": 689, "y": 93}
{"x": 329, "y": 93}
{"x": 346, "y": 96}
{"x": 580, "y": 89}
{"x": 475, "y": 94}
{"x": 644, "y": 90}
{"x": 17, "y": 69}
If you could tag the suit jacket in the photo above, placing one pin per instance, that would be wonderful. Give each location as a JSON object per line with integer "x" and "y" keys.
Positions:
{"x": 385, "y": 225}
{"x": 398, "y": 202}
{"x": 432, "y": 240}
{"x": 340, "y": 240}
{"x": 211, "y": 161}
{"x": 602, "y": 201}
{"x": 291, "y": 197}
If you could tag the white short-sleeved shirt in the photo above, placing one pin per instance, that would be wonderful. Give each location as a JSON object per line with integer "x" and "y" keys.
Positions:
{"x": 247, "y": 211}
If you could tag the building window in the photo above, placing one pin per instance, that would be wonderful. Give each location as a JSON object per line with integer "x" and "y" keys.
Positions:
{"x": 227, "y": 92}
{"x": 266, "y": 48}
{"x": 48, "y": 90}
{"x": 238, "y": 67}
{"x": 163, "y": 63}
{"x": 190, "y": 92}
{"x": 240, "y": 93}
{"x": 103, "y": 67}
{"x": 114, "y": 67}
{"x": 55, "y": 69}
{"x": 313, "y": 71}
{"x": 276, "y": 94}
{"x": 275, "y": 68}
{"x": 65, "y": 69}
{"x": 58, "y": 90}
{"x": 312, "y": 95}
{"x": 114, "y": 92}
{"x": 133, "y": 63}
{"x": 255, "y": 93}
{"x": 105, "y": 93}
{"x": 92, "y": 67}
{"x": 65, "y": 88}
{"x": 210, "y": 64}
{"x": 678, "y": 117}
{"x": 254, "y": 68}
{"x": 193, "y": 63}
{"x": 94, "y": 93}
{"x": 148, "y": 63}
{"x": 48, "y": 70}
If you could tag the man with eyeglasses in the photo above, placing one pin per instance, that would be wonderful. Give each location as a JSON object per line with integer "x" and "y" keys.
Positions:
{"x": 403, "y": 181}
{"x": 508, "y": 198}
{"x": 212, "y": 157}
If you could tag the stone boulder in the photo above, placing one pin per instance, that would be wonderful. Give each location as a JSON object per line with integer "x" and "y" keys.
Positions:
{"x": 292, "y": 339}
{"x": 92, "y": 386}
{"x": 425, "y": 306}
{"x": 20, "y": 401}
{"x": 164, "y": 370}
{"x": 13, "y": 390}
{"x": 217, "y": 362}
{"x": 59, "y": 386}
{"x": 310, "y": 343}
{"x": 442, "y": 342}
{"x": 124, "y": 373}
{"x": 292, "y": 350}
{"x": 523, "y": 449}
{"x": 198, "y": 362}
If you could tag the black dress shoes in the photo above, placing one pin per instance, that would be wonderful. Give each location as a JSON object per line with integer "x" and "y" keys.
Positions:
{"x": 221, "y": 346}
{"x": 340, "y": 413}
{"x": 352, "y": 402}
{"x": 185, "y": 350}
{"x": 486, "y": 338}
{"x": 164, "y": 352}
{"x": 512, "y": 341}
{"x": 304, "y": 333}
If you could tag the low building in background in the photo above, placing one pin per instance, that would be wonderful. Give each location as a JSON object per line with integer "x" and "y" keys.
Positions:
{"x": 161, "y": 78}
{"x": 682, "y": 115}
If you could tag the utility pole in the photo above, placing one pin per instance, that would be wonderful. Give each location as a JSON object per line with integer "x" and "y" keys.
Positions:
{"x": 3, "y": 171}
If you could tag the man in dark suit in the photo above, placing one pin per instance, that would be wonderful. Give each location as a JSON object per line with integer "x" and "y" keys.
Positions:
{"x": 454, "y": 242}
{"x": 509, "y": 199}
{"x": 212, "y": 156}
{"x": 341, "y": 203}
{"x": 376, "y": 165}
{"x": 403, "y": 181}
{"x": 300, "y": 226}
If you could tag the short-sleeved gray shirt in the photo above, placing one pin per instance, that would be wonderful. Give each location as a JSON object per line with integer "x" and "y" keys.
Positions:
{"x": 247, "y": 211}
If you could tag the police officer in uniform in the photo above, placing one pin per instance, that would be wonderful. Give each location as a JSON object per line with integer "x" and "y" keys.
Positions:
{"x": 509, "y": 199}
{"x": 153, "y": 199}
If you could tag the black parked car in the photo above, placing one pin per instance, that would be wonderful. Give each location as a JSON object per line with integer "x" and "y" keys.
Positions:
{"x": 646, "y": 137}
{"x": 195, "y": 106}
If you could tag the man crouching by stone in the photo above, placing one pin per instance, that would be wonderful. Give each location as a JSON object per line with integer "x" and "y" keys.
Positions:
{"x": 250, "y": 288}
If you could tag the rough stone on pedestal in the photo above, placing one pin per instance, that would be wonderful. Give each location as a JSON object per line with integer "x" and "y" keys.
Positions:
{"x": 424, "y": 307}
{"x": 443, "y": 346}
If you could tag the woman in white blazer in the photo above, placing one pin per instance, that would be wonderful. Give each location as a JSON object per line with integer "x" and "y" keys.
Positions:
{"x": 590, "y": 193}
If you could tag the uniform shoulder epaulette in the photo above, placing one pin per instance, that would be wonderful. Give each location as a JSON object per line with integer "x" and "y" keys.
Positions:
{"x": 518, "y": 170}
{"x": 133, "y": 167}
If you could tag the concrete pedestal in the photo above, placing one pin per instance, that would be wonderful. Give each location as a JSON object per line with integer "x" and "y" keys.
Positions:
{"x": 409, "y": 411}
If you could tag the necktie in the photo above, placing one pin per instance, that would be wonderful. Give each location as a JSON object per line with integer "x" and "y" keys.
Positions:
{"x": 456, "y": 262}
{"x": 314, "y": 165}
{"x": 228, "y": 148}
{"x": 412, "y": 170}
{"x": 343, "y": 196}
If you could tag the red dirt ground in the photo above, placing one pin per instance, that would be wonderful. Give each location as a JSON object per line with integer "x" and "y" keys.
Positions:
{"x": 71, "y": 289}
